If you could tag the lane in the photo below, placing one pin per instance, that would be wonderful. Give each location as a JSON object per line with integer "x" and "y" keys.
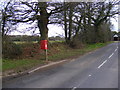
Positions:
{"x": 78, "y": 73}
{"x": 104, "y": 77}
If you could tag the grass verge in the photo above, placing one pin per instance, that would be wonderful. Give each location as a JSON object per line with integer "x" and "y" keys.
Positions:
{"x": 19, "y": 65}
{"x": 64, "y": 53}
{"x": 72, "y": 53}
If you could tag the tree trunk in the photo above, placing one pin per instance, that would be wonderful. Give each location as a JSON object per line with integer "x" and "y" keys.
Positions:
{"x": 65, "y": 24}
{"x": 96, "y": 35}
{"x": 3, "y": 25}
{"x": 70, "y": 21}
{"x": 43, "y": 20}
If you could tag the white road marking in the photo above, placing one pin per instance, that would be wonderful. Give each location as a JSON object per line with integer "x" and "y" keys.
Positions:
{"x": 102, "y": 64}
{"x": 108, "y": 57}
{"x": 111, "y": 55}
{"x": 90, "y": 75}
{"x": 74, "y": 88}
{"x": 115, "y": 50}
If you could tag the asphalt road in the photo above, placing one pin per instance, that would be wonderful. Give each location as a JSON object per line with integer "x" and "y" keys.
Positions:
{"x": 97, "y": 69}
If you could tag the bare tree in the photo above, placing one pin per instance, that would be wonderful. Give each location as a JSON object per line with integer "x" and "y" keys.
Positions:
{"x": 28, "y": 12}
{"x": 4, "y": 18}
{"x": 102, "y": 13}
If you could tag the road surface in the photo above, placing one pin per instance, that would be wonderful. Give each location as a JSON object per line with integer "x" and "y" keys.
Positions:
{"x": 97, "y": 69}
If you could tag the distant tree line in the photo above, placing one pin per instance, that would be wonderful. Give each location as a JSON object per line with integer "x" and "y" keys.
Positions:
{"x": 32, "y": 38}
{"x": 56, "y": 38}
{"x": 23, "y": 38}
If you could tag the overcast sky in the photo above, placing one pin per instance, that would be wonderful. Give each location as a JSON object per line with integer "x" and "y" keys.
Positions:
{"x": 115, "y": 23}
{"x": 54, "y": 30}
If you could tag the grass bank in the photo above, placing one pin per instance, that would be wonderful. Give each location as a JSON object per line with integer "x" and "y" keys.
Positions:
{"x": 55, "y": 53}
{"x": 72, "y": 53}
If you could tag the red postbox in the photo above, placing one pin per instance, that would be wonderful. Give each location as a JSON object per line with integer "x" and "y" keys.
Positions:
{"x": 43, "y": 44}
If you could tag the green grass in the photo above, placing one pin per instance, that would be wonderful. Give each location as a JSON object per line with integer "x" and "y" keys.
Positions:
{"x": 64, "y": 53}
{"x": 19, "y": 64}
{"x": 24, "y": 42}
{"x": 71, "y": 53}
{"x": 56, "y": 41}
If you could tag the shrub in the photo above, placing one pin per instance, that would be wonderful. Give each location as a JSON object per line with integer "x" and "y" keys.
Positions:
{"x": 11, "y": 50}
{"x": 76, "y": 43}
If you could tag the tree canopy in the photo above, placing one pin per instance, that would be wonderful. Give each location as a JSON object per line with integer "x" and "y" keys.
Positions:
{"x": 81, "y": 20}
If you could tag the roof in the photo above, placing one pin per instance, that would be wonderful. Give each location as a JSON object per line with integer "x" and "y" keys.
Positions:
{"x": 115, "y": 36}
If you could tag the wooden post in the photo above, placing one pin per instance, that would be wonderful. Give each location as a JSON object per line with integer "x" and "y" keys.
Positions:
{"x": 46, "y": 55}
